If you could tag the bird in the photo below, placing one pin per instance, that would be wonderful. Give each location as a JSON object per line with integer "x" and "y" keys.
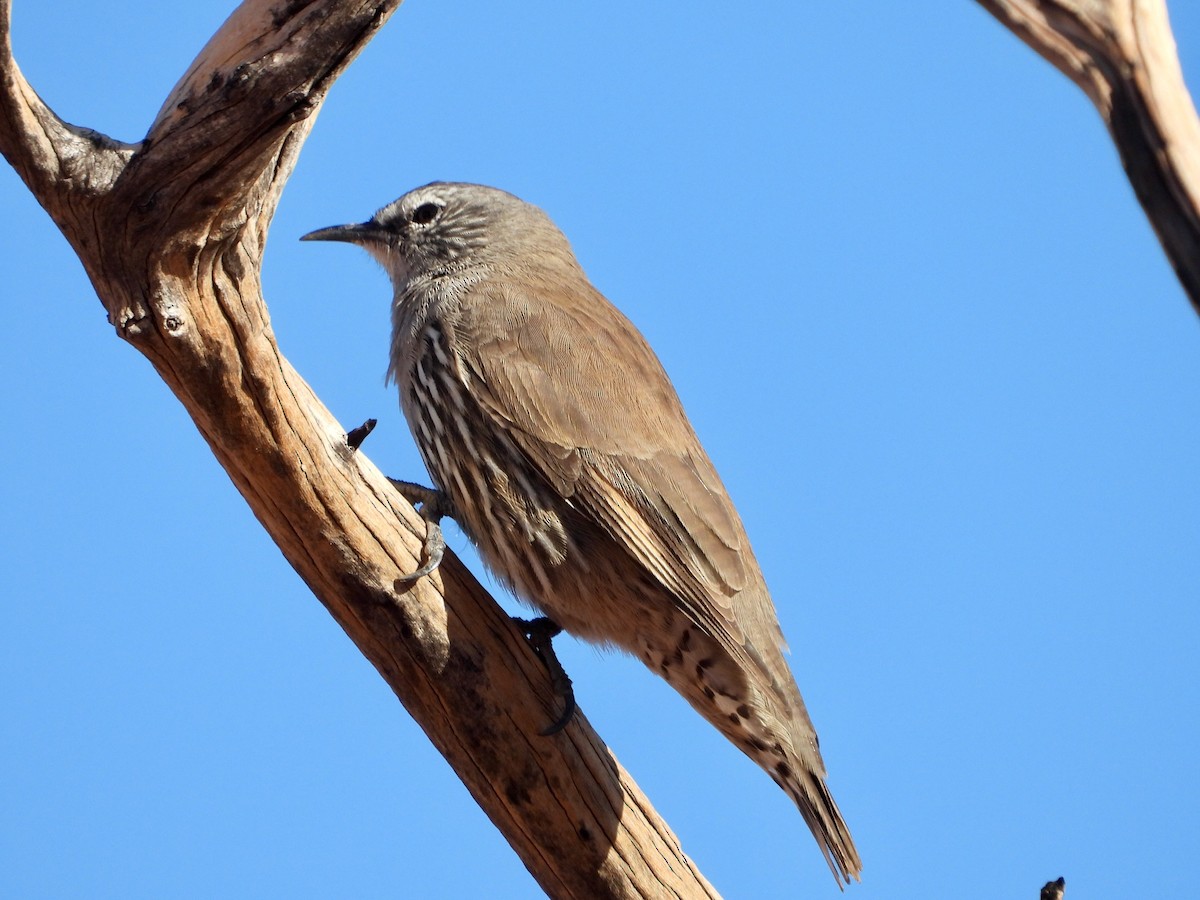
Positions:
{"x": 556, "y": 440}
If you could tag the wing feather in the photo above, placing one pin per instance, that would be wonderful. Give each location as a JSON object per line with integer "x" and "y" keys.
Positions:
{"x": 613, "y": 439}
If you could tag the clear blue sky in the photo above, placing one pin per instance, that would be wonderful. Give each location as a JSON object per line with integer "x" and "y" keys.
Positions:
{"x": 898, "y": 276}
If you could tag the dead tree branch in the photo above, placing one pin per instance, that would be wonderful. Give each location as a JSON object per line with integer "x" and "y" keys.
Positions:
{"x": 171, "y": 232}
{"x": 1122, "y": 54}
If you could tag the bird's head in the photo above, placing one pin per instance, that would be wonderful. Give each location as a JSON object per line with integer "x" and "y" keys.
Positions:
{"x": 449, "y": 228}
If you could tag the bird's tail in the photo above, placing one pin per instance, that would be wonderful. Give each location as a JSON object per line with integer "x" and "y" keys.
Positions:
{"x": 757, "y": 706}
{"x": 811, "y": 796}
{"x": 785, "y": 746}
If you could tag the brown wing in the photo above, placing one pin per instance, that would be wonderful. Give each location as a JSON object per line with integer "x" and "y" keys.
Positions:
{"x": 585, "y": 398}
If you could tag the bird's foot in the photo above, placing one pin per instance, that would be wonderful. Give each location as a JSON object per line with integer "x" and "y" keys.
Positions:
{"x": 541, "y": 633}
{"x": 434, "y": 506}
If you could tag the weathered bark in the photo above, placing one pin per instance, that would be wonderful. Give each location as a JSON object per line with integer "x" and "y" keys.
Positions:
{"x": 1122, "y": 54}
{"x": 171, "y": 233}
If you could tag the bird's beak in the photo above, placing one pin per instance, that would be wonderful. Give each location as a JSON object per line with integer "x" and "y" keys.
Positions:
{"x": 362, "y": 233}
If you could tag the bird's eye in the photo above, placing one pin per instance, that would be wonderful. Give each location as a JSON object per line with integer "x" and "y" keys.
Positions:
{"x": 425, "y": 213}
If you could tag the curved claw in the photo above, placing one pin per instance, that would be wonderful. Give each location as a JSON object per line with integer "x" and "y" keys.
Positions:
{"x": 541, "y": 633}
{"x": 434, "y": 507}
{"x": 433, "y": 550}
{"x": 568, "y": 713}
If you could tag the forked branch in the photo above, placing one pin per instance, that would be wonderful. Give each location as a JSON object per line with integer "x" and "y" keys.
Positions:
{"x": 171, "y": 232}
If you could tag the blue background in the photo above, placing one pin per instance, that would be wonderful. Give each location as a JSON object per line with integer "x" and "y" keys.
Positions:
{"x": 893, "y": 265}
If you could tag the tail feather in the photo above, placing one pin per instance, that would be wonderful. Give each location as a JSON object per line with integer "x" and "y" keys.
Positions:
{"x": 824, "y": 819}
{"x": 764, "y": 716}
